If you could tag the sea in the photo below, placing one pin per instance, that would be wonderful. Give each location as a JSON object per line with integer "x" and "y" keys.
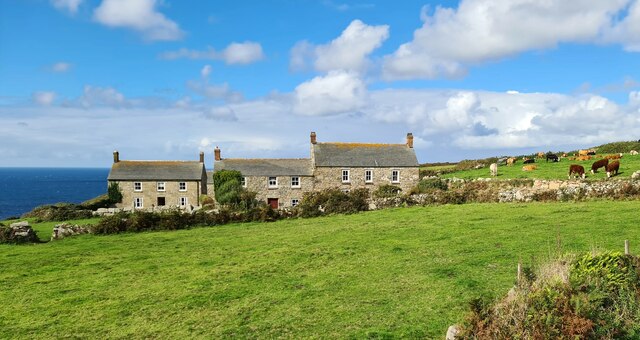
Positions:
{"x": 22, "y": 189}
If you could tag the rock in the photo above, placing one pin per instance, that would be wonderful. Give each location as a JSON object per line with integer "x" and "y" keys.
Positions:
{"x": 63, "y": 230}
{"x": 452, "y": 332}
{"x": 636, "y": 175}
{"x": 20, "y": 232}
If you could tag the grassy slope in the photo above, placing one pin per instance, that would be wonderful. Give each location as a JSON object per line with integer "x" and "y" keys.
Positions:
{"x": 402, "y": 272}
{"x": 550, "y": 170}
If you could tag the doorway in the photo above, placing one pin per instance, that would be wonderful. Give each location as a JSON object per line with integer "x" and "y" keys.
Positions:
{"x": 273, "y": 202}
{"x": 161, "y": 201}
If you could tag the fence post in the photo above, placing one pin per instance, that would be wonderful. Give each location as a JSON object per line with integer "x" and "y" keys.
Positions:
{"x": 626, "y": 247}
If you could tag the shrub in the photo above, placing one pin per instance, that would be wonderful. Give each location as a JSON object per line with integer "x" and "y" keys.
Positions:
{"x": 114, "y": 193}
{"x": 387, "y": 190}
{"x": 59, "y": 212}
{"x": 427, "y": 185}
{"x": 102, "y": 201}
{"x": 333, "y": 201}
{"x": 111, "y": 224}
{"x": 227, "y": 186}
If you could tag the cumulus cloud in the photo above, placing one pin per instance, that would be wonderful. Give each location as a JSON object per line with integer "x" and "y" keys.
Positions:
{"x": 61, "y": 67}
{"x": 627, "y": 31}
{"x": 337, "y": 92}
{"x": 349, "y": 51}
{"x": 139, "y": 15}
{"x": 95, "y": 96}
{"x": 43, "y": 98}
{"x": 70, "y": 6}
{"x": 479, "y": 30}
{"x": 221, "y": 113}
{"x": 235, "y": 54}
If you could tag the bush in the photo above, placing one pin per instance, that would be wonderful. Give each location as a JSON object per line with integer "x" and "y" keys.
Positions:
{"x": 114, "y": 193}
{"x": 387, "y": 190}
{"x": 333, "y": 201}
{"x": 59, "y": 212}
{"x": 227, "y": 186}
{"x": 427, "y": 185}
{"x": 102, "y": 201}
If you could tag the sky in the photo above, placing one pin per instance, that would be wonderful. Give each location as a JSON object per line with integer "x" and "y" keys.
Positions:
{"x": 166, "y": 79}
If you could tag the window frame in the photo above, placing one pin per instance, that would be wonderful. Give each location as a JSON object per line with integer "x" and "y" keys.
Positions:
{"x": 185, "y": 186}
{"x": 186, "y": 201}
{"x": 137, "y": 200}
{"x": 297, "y": 180}
{"x": 135, "y": 184}
{"x": 348, "y": 175}
{"x": 295, "y": 202}
{"x": 243, "y": 181}
{"x": 370, "y": 173}
{"x": 275, "y": 179}
{"x": 397, "y": 173}
{"x": 164, "y": 186}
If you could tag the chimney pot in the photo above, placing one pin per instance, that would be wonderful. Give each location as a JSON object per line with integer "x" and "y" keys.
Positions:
{"x": 201, "y": 157}
{"x": 313, "y": 137}
{"x": 116, "y": 156}
{"x": 216, "y": 153}
{"x": 410, "y": 140}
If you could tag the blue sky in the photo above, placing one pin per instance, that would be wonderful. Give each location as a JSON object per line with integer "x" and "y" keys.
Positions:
{"x": 167, "y": 79}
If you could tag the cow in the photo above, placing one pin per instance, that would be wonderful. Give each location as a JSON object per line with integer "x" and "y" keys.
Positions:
{"x": 613, "y": 167}
{"x": 575, "y": 169}
{"x": 540, "y": 154}
{"x": 528, "y": 161}
{"x": 494, "y": 169}
{"x": 552, "y": 157}
{"x": 583, "y": 152}
{"x": 511, "y": 161}
{"x": 633, "y": 152}
{"x": 591, "y": 152}
{"x": 502, "y": 160}
{"x": 583, "y": 158}
{"x": 529, "y": 167}
{"x": 611, "y": 157}
{"x": 599, "y": 164}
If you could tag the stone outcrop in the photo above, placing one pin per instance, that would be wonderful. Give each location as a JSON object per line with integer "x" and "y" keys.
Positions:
{"x": 64, "y": 230}
{"x": 452, "y": 332}
{"x": 18, "y": 232}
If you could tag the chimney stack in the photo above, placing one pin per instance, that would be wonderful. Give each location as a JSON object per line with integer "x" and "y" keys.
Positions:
{"x": 410, "y": 140}
{"x": 313, "y": 137}
{"x": 201, "y": 157}
{"x": 216, "y": 152}
{"x": 116, "y": 156}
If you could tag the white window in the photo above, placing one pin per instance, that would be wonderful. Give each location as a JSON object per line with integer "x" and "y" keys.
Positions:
{"x": 295, "y": 182}
{"x": 243, "y": 181}
{"x": 294, "y": 202}
{"x": 183, "y": 201}
{"x": 160, "y": 186}
{"x": 273, "y": 182}
{"x": 395, "y": 176}
{"x": 368, "y": 176}
{"x": 137, "y": 203}
{"x": 345, "y": 176}
{"x": 137, "y": 186}
{"x": 182, "y": 186}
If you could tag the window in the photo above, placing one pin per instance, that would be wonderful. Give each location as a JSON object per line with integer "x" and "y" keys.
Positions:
{"x": 137, "y": 186}
{"x": 183, "y": 202}
{"x": 243, "y": 181}
{"x": 368, "y": 176}
{"x": 137, "y": 203}
{"x": 295, "y": 182}
{"x": 294, "y": 202}
{"x": 162, "y": 201}
{"x": 160, "y": 186}
{"x": 345, "y": 176}
{"x": 395, "y": 176}
{"x": 273, "y": 182}
{"x": 182, "y": 186}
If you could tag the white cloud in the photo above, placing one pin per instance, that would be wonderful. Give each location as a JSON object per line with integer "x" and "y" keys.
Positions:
{"x": 61, "y": 67}
{"x": 479, "y": 30}
{"x": 70, "y": 6}
{"x": 220, "y": 113}
{"x": 627, "y": 31}
{"x": 349, "y": 51}
{"x": 139, "y": 15}
{"x": 43, "y": 98}
{"x": 206, "y": 71}
{"x": 337, "y": 92}
{"x": 94, "y": 96}
{"x": 235, "y": 54}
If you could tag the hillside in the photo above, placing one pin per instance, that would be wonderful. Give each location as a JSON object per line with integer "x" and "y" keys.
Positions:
{"x": 392, "y": 273}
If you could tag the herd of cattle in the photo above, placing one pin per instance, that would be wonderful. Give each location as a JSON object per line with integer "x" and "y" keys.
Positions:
{"x": 610, "y": 163}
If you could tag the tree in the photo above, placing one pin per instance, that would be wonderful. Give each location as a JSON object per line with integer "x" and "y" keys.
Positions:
{"x": 227, "y": 186}
{"x": 114, "y": 193}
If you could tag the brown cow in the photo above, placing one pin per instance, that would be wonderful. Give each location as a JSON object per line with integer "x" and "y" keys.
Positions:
{"x": 583, "y": 152}
{"x": 583, "y": 158}
{"x": 599, "y": 164}
{"x": 511, "y": 161}
{"x": 616, "y": 156}
{"x": 541, "y": 154}
{"x": 613, "y": 167}
{"x": 577, "y": 170}
{"x": 529, "y": 167}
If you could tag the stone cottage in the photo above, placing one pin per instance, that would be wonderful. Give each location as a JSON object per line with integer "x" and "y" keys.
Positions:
{"x": 151, "y": 184}
{"x": 347, "y": 166}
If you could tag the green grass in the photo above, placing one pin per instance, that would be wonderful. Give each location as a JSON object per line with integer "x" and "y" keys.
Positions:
{"x": 45, "y": 229}
{"x": 550, "y": 170}
{"x": 393, "y": 273}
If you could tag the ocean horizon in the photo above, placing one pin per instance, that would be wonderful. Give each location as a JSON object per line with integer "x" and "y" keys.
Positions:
{"x": 23, "y": 188}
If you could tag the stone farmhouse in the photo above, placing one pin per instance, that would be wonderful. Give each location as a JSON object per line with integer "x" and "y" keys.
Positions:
{"x": 157, "y": 184}
{"x": 282, "y": 182}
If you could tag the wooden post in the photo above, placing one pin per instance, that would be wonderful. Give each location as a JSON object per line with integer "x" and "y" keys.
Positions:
{"x": 626, "y": 247}
{"x": 519, "y": 272}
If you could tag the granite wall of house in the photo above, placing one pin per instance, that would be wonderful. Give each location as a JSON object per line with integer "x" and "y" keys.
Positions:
{"x": 150, "y": 194}
{"x": 331, "y": 177}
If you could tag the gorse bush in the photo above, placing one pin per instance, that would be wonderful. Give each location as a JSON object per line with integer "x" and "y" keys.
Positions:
{"x": 333, "y": 201}
{"x": 590, "y": 297}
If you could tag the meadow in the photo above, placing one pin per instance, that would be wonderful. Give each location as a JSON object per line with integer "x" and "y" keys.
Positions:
{"x": 395, "y": 273}
{"x": 550, "y": 170}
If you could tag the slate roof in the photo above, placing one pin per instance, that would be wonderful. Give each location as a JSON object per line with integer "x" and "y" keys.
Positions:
{"x": 267, "y": 167}
{"x": 156, "y": 170}
{"x": 364, "y": 155}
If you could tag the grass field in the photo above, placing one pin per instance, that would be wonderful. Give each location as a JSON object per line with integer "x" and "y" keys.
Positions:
{"x": 392, "y": 273}
{"x": 550, "y": 170}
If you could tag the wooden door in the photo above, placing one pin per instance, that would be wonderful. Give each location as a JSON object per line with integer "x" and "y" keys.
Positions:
{"x": 273, "y": 202}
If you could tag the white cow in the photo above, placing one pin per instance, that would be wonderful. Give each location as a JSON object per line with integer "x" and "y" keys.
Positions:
{"x": 494, "y": 169}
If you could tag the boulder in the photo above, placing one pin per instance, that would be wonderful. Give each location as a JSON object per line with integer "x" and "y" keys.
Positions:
{"x": 63, "y": 230}
{"x": 453, "y": 332}
{"x": 636, "y": 175}
{"x": 18, "y": 232}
